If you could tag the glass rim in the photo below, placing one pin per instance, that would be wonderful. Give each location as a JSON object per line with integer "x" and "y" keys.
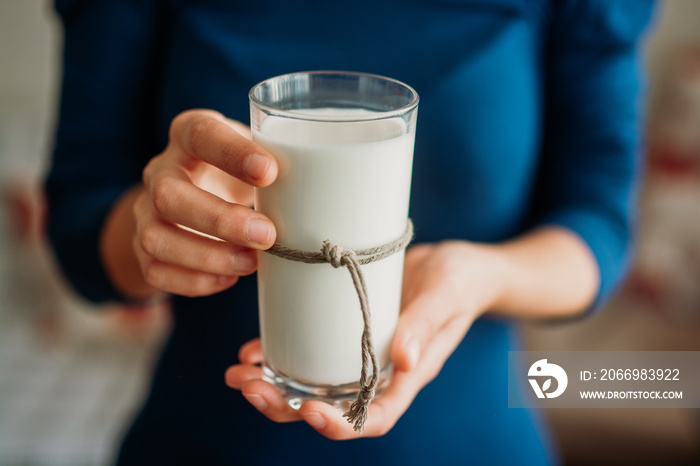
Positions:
{"x": 297, "y": 115}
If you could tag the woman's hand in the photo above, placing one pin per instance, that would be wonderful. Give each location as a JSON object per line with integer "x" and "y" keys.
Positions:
{"x": 446, "y": 287}
{"x": 195, "y": 233}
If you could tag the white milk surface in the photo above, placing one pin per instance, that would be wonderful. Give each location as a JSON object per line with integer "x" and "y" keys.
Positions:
{"x": 348, "y": 182}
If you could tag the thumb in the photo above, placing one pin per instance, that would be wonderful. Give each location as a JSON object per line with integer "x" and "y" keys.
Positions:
{"x": 419, "y": 322}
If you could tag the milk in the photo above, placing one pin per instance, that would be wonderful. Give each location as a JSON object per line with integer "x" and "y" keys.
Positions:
{"x": 347, "y": 181}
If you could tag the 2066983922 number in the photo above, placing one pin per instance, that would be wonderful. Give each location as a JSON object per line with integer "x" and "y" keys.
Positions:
{"x": 640, "y": 374}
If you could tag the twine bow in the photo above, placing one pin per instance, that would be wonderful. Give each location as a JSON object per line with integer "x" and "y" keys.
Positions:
{"x": 337, "y": 257}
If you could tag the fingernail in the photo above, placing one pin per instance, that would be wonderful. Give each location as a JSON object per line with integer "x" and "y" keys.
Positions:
{"x": 256, "y": 400}
{"x": 315, "y": 420}
{"x": 256, "y": 166}
{"x": 413, "y": 352}
{"x": 245, "y": 261}
{"x": 259, "y": 231}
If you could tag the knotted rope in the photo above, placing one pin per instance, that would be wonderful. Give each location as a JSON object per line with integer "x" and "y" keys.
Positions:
{"x": 338, "y": 257}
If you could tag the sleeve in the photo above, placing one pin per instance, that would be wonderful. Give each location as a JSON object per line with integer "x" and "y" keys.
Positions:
{"x": 592, "y": 126}
{"x": 105, "y": 128}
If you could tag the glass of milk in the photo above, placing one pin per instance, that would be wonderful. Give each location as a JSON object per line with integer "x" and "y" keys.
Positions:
{"x": 344, "y": 145}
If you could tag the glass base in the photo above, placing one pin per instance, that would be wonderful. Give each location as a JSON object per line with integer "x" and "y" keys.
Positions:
{"x": 338, "y": 396}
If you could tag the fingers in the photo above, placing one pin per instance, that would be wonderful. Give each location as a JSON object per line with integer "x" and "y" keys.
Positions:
{"x": 251, "y": 352}
{"x": 175, "y": 260}
{"x": 169, "y": 243}
{"x": 208, "y": 136}
{"x": 176, "y": 199}
{"x": 247, "y": 377}
{"x": 329, "y": 421}
{"x": 383, "y": 412}
{"x": 268, "y": 401}
{"x": 205, "y": 148}
{"x": 171, "y": 278}
{"x": 238, "y": 375}
{"x": 263, "y": 396}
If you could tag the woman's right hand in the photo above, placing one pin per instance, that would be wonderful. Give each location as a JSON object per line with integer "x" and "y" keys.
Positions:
{"x": 195, "y": 232}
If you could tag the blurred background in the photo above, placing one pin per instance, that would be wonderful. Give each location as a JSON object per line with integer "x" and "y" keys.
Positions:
{"x": 71, "y": 376}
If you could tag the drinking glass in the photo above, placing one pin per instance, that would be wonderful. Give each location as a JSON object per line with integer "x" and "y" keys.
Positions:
{"x": 344, "y": 145}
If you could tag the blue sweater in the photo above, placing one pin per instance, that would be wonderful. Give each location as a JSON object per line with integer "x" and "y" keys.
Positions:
{"x": 529, "y": 115}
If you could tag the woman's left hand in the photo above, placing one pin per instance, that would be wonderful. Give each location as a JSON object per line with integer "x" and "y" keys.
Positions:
{"x": 446, "y": 287}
